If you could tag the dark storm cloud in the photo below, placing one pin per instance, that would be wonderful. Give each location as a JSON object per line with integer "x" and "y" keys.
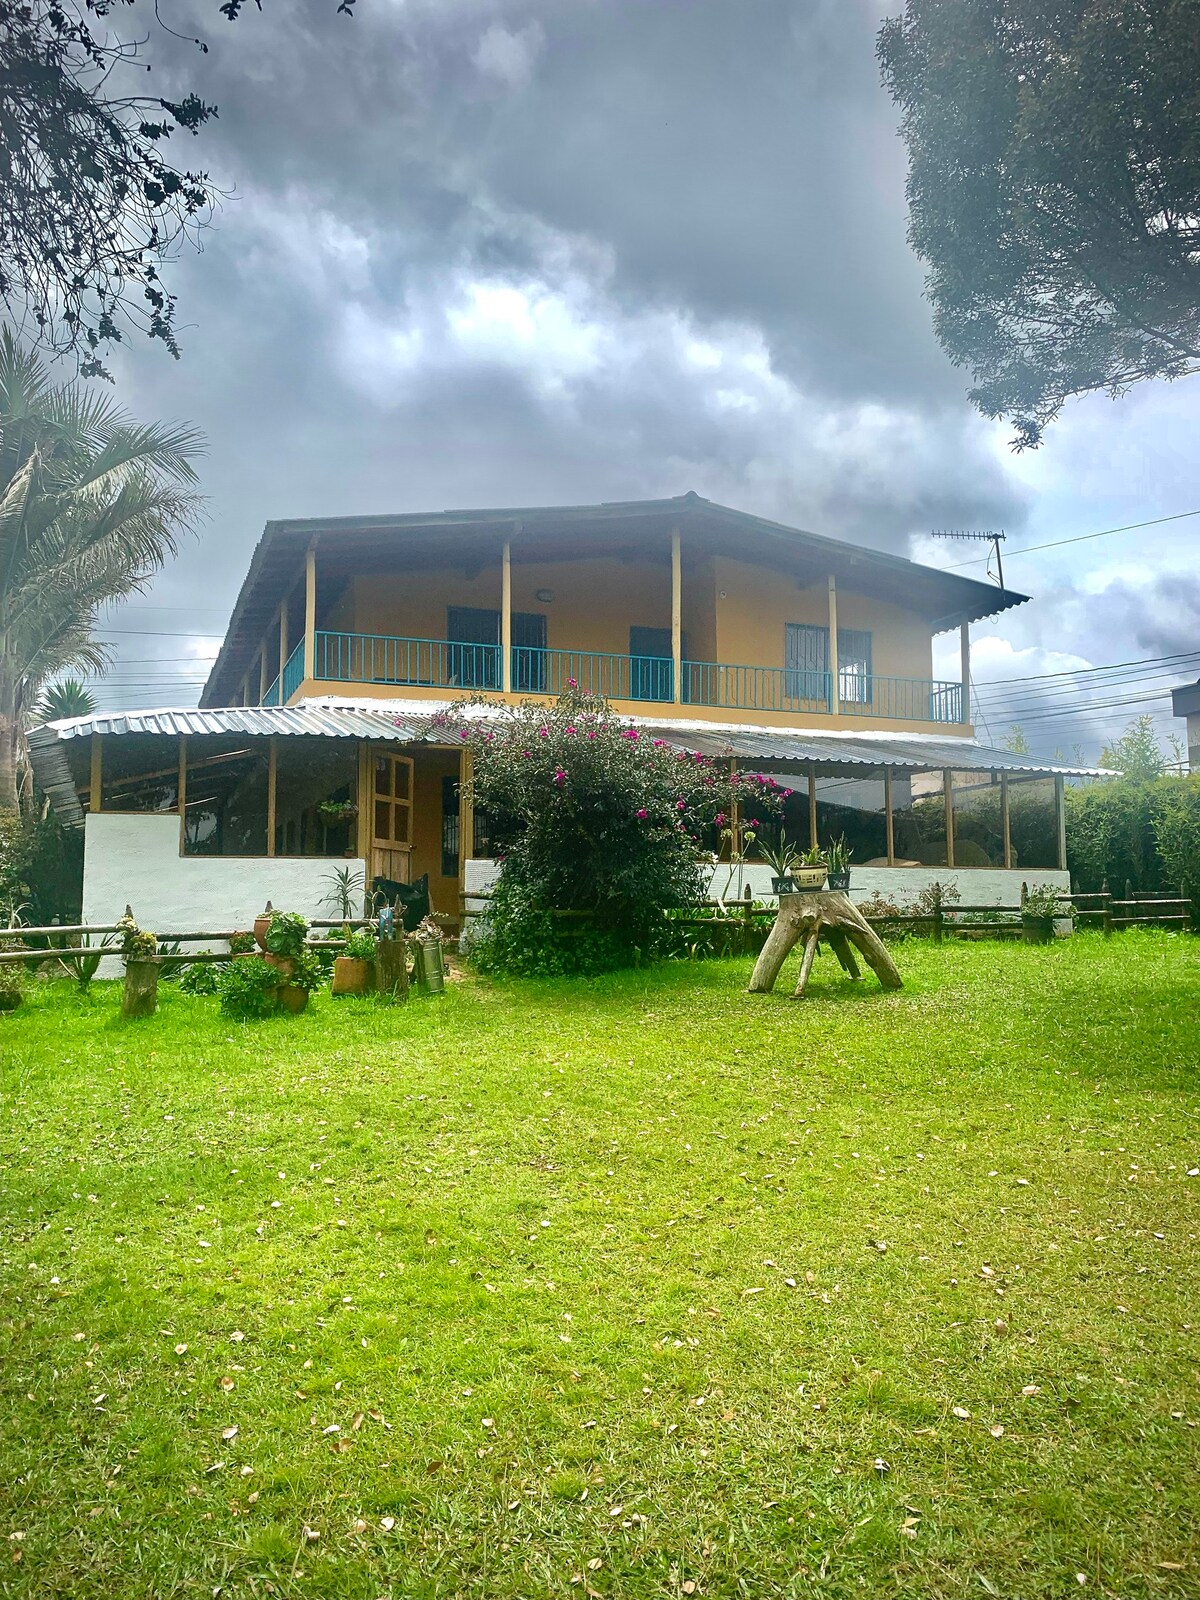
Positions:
{"x": 520, "y": 251}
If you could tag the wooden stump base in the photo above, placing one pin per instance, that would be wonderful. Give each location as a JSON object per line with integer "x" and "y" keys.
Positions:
{"x": 391, "y": 968}
{"x": 831, "y": 916}
{"x": 140, "y": 997}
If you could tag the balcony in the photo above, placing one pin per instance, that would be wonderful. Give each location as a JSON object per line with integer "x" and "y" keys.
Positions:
{"x": 441, "y": 664}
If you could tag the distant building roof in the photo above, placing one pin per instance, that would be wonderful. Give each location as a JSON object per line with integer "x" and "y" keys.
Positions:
{"x": 1185, "y": 701}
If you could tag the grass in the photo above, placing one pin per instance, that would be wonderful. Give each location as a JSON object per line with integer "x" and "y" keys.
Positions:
{"x": 565, "y": 1289}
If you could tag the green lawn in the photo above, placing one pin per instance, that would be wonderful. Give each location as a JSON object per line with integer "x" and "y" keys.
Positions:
{"x": 647, "y": 1287}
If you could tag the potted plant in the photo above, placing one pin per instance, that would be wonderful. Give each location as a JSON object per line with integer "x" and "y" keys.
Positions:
{"x": 284, "y": 943}
{"x": 810, "y": 870}
{"x": 838, "y": 856}
{"x": 249, "y": 989}
{"x": 243, "y": 944}
{"x": 262, "y": 923}
{"x": 306, "y": 975}
{"x": 1039, "y": 911}
{"x": 354, "y": 969}
{"x": 337, "y": 811}
{"x": 781, "y": 858}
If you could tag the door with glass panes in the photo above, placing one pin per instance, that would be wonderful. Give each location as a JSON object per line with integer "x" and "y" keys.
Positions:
{"x": 391, "y": 816}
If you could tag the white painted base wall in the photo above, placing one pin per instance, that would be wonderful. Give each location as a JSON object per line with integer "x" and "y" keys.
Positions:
{"x": 977, "y": 886}
{"x": 135, "y": 860}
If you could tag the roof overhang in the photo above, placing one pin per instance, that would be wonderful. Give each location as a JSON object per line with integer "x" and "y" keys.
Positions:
{"x": 346, "y": 546}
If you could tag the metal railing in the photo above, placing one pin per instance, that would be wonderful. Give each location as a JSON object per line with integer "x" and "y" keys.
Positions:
{"x": 450, "y": 664}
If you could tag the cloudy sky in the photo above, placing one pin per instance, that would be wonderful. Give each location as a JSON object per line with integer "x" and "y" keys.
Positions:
{"x": 488, "y": 252}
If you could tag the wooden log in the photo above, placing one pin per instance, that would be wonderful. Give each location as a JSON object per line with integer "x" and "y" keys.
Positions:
{"x": 806, "y": 965}
{"x": 830, "y": 915}
{"x": 845, "y": 955}
{"x": 141, "y": 986}
{"x": 391, "y": 968}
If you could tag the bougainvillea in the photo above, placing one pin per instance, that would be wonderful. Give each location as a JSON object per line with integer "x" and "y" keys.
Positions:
{"x": 597, "y": 819}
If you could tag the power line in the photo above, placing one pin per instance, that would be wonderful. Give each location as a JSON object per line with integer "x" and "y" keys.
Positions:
{"x": 1037, "y": 700}
{"x": 1054, "y": 544}
{"x": 1078, "y": 672}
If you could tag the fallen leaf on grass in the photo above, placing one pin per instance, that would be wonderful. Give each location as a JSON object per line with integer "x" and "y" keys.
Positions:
{"x": 387, "y": 1523}
{"x": 229, "y": 1433}
{"x": 996, "y": 1430}
{"x": 1031, "y": 1388}
{"x": 961, "y": 1413}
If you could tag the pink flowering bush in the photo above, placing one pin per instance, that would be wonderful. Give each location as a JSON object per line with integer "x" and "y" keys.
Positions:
{"x": 595, "y": 819}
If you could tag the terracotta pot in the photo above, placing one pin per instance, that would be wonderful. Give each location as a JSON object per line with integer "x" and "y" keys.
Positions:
{"x": 292, "y": 997}
{"x": 261, "y": 923}
{"x": 353, "y": 976}
{"x": 284, "y": 965}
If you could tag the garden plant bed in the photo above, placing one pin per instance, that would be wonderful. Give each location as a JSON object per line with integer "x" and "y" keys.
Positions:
{"x": 620, "y": 1286}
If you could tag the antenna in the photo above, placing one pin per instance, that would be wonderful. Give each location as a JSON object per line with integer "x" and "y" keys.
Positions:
{"x": 986, "y": 535}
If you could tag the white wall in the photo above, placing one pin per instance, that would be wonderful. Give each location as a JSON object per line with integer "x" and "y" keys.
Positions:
{"x": 135, "y": 860}
{"x": 977, "y": 886}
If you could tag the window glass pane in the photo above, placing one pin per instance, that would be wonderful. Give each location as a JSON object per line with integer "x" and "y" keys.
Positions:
{"x": 450, "y": 826}
{"x": 140, "y": 772}
{"x": 383, "y": 775}
{"x": 854, "y": 666}
{"x": 400, "y": 770}
{"x": 806, "y": 657}
{"x": 383, "y": 819}
{"x": 316, "y": 794}
{"x": 226, "y": 797}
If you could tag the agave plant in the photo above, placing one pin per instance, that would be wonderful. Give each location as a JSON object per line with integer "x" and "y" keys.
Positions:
{"x": 66, "y": 698}
{"x": 91, "y": 505}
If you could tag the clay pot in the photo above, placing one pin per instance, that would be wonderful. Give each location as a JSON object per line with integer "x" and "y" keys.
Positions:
{"x": 292, "y": 997}
{"x": 261, "y": 923}
{"x": 353, "y": 976}
{"x": 284, "y": 965}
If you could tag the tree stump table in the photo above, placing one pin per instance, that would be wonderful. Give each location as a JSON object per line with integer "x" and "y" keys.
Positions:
{"x": 830, "y": 916}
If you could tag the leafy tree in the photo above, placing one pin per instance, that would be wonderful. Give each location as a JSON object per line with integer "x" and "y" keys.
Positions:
{"x": 1054, "y": 191}
{"x": 91, "y": 205}
{"x": 1137, "y": 754}
{"x": 599, "y": 828}
{"x": 91, "y": 504}
{"x": 66, "y": 698}
{"x": 1015, "y": 740}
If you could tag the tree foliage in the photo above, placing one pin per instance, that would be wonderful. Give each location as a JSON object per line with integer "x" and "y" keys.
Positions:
{"x": 92, "y": 202}
{"x": 599, "y": 828}
{"x": 1137, "y": 753}
{"x": 1054, "y": 191}
{"x": 66, "y": 698}
{"x": 91, "y": 504}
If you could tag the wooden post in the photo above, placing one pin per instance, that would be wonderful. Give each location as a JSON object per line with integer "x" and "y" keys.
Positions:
{"x": 272, "y": 757}
{"x": 262, "y": 674}
{"x": 938, "y": 920}
{"x": 96, "y": 795}
{"x": 676, "y": 617}
{"x": 812, "y": 805}
{"x": 889, "y": 820}
{"x": 283, "y": 647}
{"x": 391, "y": 968}
{"x": 466, "y": 816}
{"x": 964, "y": 647}
{"x": 1060, "y": 819}
{"x": 948, "y": 801}
{"x": 835, "y": 697}
{"x": 182, "y": 794}
{"x": 506, "y": 617}
{"x": 140, "y": 996}
{"x": 365, "y": 820}
{"x": 735, "y": 818}
{"x": 310, "y": 615}
{"x": 1006, "y": 821}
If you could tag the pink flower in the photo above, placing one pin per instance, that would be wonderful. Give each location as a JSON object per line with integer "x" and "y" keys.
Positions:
{"x": 572, "y": 683}
{"x": 591, "y": 733}
{"x": 681, "y": 805}
{"x": 462, "y": 733}
{"x": 543, "y": 733}
{"x": 560, "y": 776}
{"x": 755, "y": 823}
{"x": 570, "y": 730}
{"x": 490, "y": 737}
{"x": 719, "y": 819}
{"x": 642, "y": 814}
{"x": 787, "y": 794}
{"x": 630, "y": 733}
{"x": 659, "y": 744}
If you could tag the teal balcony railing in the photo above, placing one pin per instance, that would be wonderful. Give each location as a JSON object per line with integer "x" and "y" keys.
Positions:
{"x": 271, "y": 698}
{"x": 448, "y": 664}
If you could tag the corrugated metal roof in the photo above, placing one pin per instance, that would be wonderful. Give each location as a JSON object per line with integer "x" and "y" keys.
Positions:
{"x": 834, "y": 750}
{"x": 313, "y": 717}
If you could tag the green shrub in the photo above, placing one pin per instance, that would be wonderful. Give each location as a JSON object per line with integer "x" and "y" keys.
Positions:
{"x": 361, "y": 944}
{"x": 597, "y": 819}
{"x": 308, "y": 971}
{"x": 201, "y": 978}
{"x": 241, "y": 944}
{"x": 286, "y": 934}
{"x": 247, "y": 988}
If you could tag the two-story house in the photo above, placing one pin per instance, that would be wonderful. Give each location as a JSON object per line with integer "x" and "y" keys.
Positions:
{"x": 313, "y": 748}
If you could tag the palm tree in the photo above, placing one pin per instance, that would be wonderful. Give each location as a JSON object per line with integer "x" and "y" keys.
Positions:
{"x": 91, "y": 505}
{"x": 66, "y": 698}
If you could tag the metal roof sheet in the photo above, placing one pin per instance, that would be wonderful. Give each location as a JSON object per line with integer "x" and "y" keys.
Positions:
{"x": 315, "y": 717}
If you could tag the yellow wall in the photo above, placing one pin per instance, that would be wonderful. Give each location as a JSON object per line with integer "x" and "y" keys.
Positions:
{"x": 754, "y": 606}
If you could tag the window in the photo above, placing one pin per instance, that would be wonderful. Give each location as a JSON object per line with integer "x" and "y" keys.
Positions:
{"x": 474, "y": 647}
{"x": 226, "y": 797}
{"x": 450, "y": 815}
{"x": 806, "y": 664}
{"x": 139, "y": 772}
{"x": 854, "y": 666}
{"x": 316, "y": 794}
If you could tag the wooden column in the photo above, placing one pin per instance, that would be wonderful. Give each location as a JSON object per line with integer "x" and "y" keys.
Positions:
{"x": 96, "y": 777}
{"x": 812, "y": 805}
{"x": 735, "y": 818}
{"x": 272, "y": 754}
{"x": 1060, "y": 819}
{"x": 365, "y": 820}
{"x": 948, "y": 800}
{"x": 888, "y": 818}
{"x": 262, "y": 674}
{"x": 677, "y": 616}
{"x": 466, "y": 817}
{"x": 310, "y": 614}
{"x": 182, "y": 793}
{"x": 835, "y": 699}
{"x": 964, "y": 650}
{"x": 1005, "y": 820}
{"x": 283, "y": 646}
{"x": 506, "y": 617}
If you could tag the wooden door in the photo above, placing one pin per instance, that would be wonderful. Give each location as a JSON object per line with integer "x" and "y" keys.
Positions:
{"x": 391, "y": 816}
